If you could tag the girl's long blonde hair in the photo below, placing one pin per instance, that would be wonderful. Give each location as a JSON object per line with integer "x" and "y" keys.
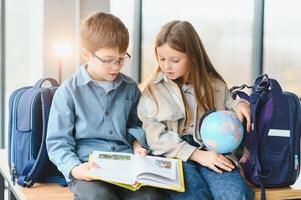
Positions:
{"x": 181, "y": 36}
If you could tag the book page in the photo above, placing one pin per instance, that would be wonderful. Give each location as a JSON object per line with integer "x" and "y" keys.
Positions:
{"x": 159, "y": 181}
{"x": 116, "y": 167}
{"x": 158, "y": 166}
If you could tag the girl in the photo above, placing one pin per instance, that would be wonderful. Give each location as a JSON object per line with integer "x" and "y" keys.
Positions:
{"x": 182, "y": 88}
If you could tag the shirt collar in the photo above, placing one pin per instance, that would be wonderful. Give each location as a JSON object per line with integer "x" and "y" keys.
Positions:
{"x": 159, "y": 77}
{"x": 84, "y": 78}
{"x": 119, "y": 79}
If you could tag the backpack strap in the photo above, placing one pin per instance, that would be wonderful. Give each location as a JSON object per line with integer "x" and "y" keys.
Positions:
{"x": 254, "y": 100}
{"x": 262, "y": 84}
{"x": 275, "y": 87}
{"x": 26, "y": 181}
{"x": 46, "y": 97}
{"x": 35, "y": 166}
{"x": 52, "y": 81}
{"x": 23, "y": 179}
{"x": 237, "y": 91}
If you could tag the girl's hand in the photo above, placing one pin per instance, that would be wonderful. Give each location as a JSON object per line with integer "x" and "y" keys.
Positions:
{"x": 138, "y": 149}
{"x": 242, "y": 110}
{"x": 212, "y": 160}
{"x": 245, "y": 156}
{"x": 80, "y": 172}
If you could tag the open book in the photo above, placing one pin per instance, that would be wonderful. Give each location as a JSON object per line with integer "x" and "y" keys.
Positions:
{"x": 132, "y": 171}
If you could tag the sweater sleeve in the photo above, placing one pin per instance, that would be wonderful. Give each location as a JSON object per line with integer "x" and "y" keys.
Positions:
{"x": 60, "y": 141}
{"x": 161, "y": 141}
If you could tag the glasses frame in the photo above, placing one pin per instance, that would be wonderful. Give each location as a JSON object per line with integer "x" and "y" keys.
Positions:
{"x": 109, "y": 63}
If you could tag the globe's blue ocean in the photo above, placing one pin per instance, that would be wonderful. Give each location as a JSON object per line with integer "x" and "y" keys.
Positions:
{"x": 221, "y": 131}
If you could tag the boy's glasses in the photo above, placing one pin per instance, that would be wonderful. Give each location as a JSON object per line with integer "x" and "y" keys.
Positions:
{"x": 108, "y": 63}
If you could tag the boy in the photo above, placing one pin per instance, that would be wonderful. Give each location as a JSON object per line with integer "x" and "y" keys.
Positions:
{"x": 96, "y": 110}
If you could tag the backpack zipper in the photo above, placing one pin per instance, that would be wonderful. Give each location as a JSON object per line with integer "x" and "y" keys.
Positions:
{"x": 12, "y": 153}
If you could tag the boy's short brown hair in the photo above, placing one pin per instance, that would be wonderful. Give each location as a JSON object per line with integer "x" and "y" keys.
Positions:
{"x": 103, "y": 30}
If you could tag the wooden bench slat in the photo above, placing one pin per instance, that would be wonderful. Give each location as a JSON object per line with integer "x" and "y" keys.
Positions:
{"x": 39, "y": 191}
{"x": 278, "y": 193}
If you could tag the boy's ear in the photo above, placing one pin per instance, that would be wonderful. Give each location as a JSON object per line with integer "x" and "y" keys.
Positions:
{"x": 86, "y": 55}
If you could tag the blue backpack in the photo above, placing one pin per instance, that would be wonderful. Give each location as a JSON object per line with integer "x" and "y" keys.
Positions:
{"x": 28, "y": 118}
{"x": 274, "y": 142}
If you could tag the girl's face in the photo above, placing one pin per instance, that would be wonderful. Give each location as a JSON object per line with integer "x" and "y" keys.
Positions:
{"x": 173, "y": 63}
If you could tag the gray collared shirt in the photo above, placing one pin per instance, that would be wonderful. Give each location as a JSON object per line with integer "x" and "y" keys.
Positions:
{"x": 83, "y": 118}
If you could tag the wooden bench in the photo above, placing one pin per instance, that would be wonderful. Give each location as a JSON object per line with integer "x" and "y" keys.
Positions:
{"x": 41, "y": 191}
{"x": 279, "y": 193}
{"x": 38, "y": 191}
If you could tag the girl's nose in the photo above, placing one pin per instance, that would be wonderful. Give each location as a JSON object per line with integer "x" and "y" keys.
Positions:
{"x": 167, "y": 65}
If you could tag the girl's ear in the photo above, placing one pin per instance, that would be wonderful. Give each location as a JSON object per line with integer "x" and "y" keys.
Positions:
{"x": 86, "y": 55}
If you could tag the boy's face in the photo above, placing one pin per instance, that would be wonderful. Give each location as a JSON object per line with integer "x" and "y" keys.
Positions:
{"x": 105, "y": 63}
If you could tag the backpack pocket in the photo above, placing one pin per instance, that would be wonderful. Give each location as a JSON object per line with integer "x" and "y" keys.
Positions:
{"x": 22, "y": 146}
{"x": 275, "y": 162}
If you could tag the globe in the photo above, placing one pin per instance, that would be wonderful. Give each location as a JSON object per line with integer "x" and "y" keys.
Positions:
{"x": 221, "y": 131}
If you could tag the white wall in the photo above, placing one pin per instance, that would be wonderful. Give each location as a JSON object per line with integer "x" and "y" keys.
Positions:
{"x": 23, "y": 46}
{"x": 60, "y": 26}
{"x": 33, "y": 28}
{"x": 89, "y": 6}
{"x": 61, "y": 23}
{"x": 23, "y": 53}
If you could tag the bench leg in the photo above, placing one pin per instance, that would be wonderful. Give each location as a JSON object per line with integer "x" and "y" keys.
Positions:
{"x": 11, "y": 195}
{"x": 2, "y": 187}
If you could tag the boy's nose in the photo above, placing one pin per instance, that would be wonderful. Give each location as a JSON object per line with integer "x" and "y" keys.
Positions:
{"x": 117, "y": 68}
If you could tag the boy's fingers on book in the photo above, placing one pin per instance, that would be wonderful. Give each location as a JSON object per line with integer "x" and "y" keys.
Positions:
{"x": 86, "y": 164}
{"x": 88, "y": 179}
{"x": 94, "y": 165}
{"x": 141, "y": 152}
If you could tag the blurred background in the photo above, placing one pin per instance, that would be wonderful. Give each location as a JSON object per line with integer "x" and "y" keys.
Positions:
{"x": 244, "y": 38}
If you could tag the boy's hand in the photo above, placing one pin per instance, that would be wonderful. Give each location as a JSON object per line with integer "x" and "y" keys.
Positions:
{"x": 242, "y": 110}
{"x": 212, "y": 160}
{"x": 80, "y": 172}
{"x": 138, "y": 149}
